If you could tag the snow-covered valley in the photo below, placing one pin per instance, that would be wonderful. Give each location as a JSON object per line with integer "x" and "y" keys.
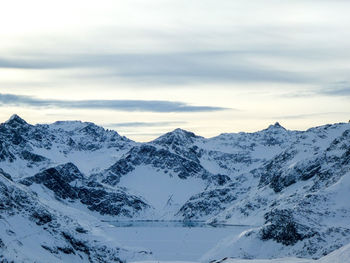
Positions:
{"x": 173, "y": 240}
{"x": 63, "y": 184}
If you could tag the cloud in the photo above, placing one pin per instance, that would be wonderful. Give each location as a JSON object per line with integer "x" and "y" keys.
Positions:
{"x": 341, "y": 88}
{"x": 306, "y": 116}
{"x": 120, "y": 105}
{"x": 153, "y": 44}
{"x": 176, "y": 67}
{"x": 336, "y": 89}
{"x": 144, "y": 124}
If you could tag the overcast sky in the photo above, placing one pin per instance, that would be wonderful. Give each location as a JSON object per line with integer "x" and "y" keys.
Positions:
{"x": 147, "y": 67}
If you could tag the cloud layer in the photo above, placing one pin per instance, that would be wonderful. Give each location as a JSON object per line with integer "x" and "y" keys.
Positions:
{"x": 119, "y": 105}
{"x": 187, "y": 67}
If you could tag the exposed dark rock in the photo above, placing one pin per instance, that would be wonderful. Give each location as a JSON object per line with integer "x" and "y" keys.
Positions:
{"x": 2, "y": 244}
{"x": 41, "y": 217}
{"x": 207, "y": 203}
{"x": 5, "y": 154}
{"x": 122, "y": 167}
{"x": 8, "y": 176}
{"x": 271, "y": 172}
{"x": 76, "y": 244}
{"x": 66, "y": 250}
{"x": 69, "y": 172}
{"x": 52, "y": 250}
{"x": 283, "y": 228}
{"x": 309, "y": 171}
{"x": 57, "y": 179}
{"x": 12, "y": 198}
{"x": 111, "y": 203}
{"x": 26, "y": 155}
{"x": 63, "y": 181}
{"x": 81, "y": 230}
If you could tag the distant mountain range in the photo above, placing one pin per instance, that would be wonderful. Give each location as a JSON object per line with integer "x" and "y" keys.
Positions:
{"x": 58, "y": 181}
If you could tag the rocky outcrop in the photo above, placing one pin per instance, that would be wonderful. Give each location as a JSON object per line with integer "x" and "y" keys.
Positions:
{"x": 67, "y": 182}
{"x": 281, "y": 226}
{"x": 207, "y": 203}
{"x": 115, "y": 203}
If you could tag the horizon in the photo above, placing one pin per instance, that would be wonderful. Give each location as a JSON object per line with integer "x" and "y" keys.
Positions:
{"x": 147, "y": 68}
{"x": 178, "y": 128}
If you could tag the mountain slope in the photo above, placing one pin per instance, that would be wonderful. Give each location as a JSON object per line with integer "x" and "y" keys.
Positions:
{"x": 290, "y": 186}
{"x": 34, "y": 232}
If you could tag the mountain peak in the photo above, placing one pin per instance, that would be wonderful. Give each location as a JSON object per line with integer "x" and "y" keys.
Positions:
{"x": 16, "y": 120}
{"x": 178, "y": 136}
{"x": 277, "y": 125}
{"x": 182, "y": 131}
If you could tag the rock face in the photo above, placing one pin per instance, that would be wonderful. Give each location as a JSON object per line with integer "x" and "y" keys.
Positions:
{"x": 197, "y": 206}
{"x": 292, "y": 185}
{"x": 67, "y": 182}
{"x": 58, "y": 179}
{"x": 282, "y": 227}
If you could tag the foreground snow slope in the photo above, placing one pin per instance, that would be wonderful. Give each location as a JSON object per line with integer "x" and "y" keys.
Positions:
{"x": 340, "y": 255}
{"x": 292, "y": 187}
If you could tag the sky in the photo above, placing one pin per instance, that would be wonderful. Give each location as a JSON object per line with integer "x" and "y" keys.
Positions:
{"x": 144, "y": 68}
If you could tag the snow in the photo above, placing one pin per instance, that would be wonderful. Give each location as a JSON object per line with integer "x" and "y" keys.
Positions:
{"x": 162, "y": 261}
{"x": 278, "y": 260}
{"x": 24, "y": 242}
{"x": 166, "y": 193}
{"x": 341, "y": 255}
{"x": 87, "y": 162}
{"x": 174, "y": 242}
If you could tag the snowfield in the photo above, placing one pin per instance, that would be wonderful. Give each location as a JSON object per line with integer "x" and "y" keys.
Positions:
{"x": 341, "y": 255}
{"x": 63, "y": 184}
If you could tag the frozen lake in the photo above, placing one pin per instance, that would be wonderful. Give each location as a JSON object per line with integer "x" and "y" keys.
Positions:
{"x": 173, "y": 240}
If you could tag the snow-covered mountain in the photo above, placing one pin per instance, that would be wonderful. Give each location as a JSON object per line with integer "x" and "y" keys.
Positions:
{"x": 26, "y": 148}
{"x": 292, "y": 187}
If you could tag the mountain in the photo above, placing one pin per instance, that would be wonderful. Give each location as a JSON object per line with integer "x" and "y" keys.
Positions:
{"x": 292, "y": 187}
{"x": 26, "y": 148}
